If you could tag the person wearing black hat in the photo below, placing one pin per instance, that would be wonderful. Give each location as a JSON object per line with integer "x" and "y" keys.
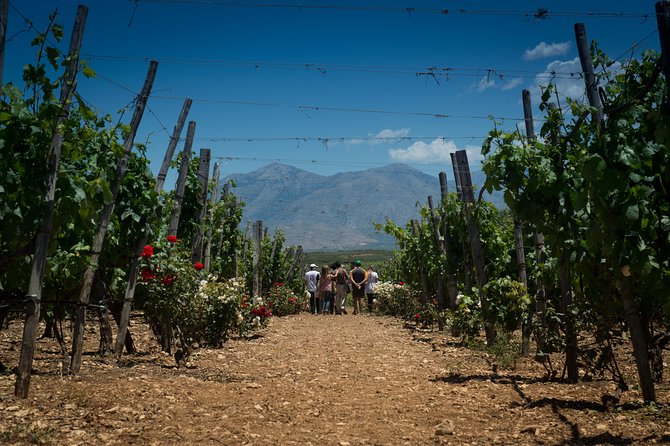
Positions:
{"x": 358, "y": 278}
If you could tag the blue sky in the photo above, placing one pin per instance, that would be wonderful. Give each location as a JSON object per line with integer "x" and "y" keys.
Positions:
{"x": 316, "y": 86}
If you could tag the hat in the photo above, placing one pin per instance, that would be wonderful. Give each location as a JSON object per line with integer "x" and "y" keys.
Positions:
{"x": 358, "y": 263}
{"x": 313, "y": 265}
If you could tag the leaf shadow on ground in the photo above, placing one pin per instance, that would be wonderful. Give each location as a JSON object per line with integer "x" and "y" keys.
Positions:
{"x": 558, "y": 406}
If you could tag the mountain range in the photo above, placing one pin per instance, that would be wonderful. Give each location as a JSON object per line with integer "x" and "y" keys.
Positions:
{"x": 337, "y": 212}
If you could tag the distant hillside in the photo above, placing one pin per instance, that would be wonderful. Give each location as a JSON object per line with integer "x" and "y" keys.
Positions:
{"x": 334, "y": 212}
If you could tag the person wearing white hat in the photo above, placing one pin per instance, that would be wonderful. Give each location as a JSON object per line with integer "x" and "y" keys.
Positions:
{"x": 312, "y": 280}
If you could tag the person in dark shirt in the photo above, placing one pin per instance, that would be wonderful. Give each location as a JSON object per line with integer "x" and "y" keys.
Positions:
{"x": 358, "y": 277}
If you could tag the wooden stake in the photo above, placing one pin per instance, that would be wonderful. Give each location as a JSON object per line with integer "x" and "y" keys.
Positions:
{"x": 528, "y": 114}
{"x": 467, "y": 267}
{"x": 245, "y": 244}
{"x": 473, "y": 227}
{"x": 565, "y": 283}
{"x": 169, "y": 153}
{"x": 258, "y": 239}
{"x": 219, "y": 244}
{"x": 422, "y": 272}
{"x": 203, "y": 176}
{"x": 43, "y": 236}
{"x": 440, "y": 252}
{"x": 475, "y": 239}
{"x": 297, "y": 254}
{"x": 587, "y": 68}
{"x": 663, "y": 24}
{"x": 215, "y": 200}
{"x": 181, "y": 180}
{"x": 105, "y": 218}
{"x": 135, "y": 263}
{"x": 540, "y": 302}
{"x": 4, "y": 15}
{"x": 452, "y": 289}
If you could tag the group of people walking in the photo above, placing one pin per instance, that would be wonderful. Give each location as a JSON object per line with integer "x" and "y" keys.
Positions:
{"x": 328, "y": 289}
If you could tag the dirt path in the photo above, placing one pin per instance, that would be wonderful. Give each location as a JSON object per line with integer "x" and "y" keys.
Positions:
{"x": 320, "y": 380}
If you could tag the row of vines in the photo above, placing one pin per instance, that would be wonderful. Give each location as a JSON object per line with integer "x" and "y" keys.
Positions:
{"x": 194, "y": 267}
{"x": 588, "y": 208}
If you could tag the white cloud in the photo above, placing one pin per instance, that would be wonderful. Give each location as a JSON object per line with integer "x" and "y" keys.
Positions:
{"x": 544, "y": 49}
{"x": 512, "y": 83}
{"x": 437, "y": 151}
{"x": 565, "y": 75}
{"x": 387, "y": 134}
{"x": 493, "y": 81}
{"x": 474, "y": 154}
{"x": 382, "y": 136}
{"x": 484, "y": 84}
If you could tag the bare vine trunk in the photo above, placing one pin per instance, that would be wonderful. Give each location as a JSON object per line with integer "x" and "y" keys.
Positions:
{"x": 638, "y": 337}
{"x": 569, "y": 326}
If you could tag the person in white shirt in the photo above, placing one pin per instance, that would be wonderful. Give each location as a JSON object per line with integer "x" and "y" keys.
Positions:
{"x": 373, "y": 277}
{"x": 312, "y": 280}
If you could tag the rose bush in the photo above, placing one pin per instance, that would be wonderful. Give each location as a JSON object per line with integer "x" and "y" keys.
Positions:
{"x": 398, "y": 299}
{"x": 199, "y": 308}
{"x": 284, "y": 301}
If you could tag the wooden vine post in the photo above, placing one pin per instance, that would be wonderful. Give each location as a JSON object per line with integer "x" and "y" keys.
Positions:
{"x": 476, "y": 247}
{"x": 589, "y": 74}
{"x": 440, "y": 251}
{"x": 203, "y": 176}
{"x": 273, "y": 250}
{"x": 258, "y": 246}
{"x": 565, "y": 284}
{"x": 452, "y": 290}
{"x": 172, "y": 145}
{"x": 135, "y": 264}
{"x": 518, "y": 232}
{"x": 105, "y": 218}
{"x": 4, "y": 15}
{"x": 565, "y": 274}
{"x": 224, "y": 196}
{"x": 422, "y": 271}
{"x": 467, "y": 264}
{"x": 297, "y": 254}
{"x": 540, "y": 298}
{"x": 43, "y": 236}
{"x": 181, "y": 180}
{"x": 636, "y": 327}
{"x": 215, "y": 201}
{"x": 245, "y": 243}
{"x": 663, "y": 23}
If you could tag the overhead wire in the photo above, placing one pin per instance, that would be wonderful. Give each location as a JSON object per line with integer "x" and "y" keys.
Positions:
{"x": 339, "y": 139}
{"x": 636, "y": 45}
{"x": 323, "y": 68}
{"x": 317, "y": 107}
{"x": 339, "y": 109}
{"x": 538, "y": 14}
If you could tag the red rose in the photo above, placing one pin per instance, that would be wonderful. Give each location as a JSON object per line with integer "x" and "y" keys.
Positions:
{"x": 147, "y": 274}
{"x": 148, "y": 251}
{"x": 401, "y": 283}
{"x": 198, "y": 266}
{"x": 168, "y": 280}
{"x": 417, "y": 316}
{"x": 172, "y": 238}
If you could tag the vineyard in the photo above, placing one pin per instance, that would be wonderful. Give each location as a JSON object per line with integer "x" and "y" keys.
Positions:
{"x": 552, "y": 312}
